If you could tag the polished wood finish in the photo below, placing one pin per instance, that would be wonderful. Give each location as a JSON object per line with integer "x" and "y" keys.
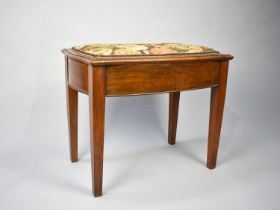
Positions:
{"x": 72, "y": 111}
{"x": 216, "y": 115}
{"x": 158, "y": 78}
{"x": 136, "y": 75}
{"x": 96, "y": 88}
{"x": 174, "y": 99}
{"x": 78, "y": 76}
{"x": 139, "y": 79}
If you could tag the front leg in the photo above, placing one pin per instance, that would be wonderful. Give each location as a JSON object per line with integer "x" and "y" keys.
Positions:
{"x": 96, "y": 78}
{"x": 218, "y": 94}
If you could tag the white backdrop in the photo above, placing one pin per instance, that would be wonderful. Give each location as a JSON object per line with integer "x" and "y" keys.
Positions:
{"x": 140, "y": 169}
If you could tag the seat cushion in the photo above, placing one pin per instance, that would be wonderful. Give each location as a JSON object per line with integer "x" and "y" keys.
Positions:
{"x": 109, "y": 50}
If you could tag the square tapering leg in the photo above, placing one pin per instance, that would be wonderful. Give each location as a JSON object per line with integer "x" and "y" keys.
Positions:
{"x": 72, "y": 112}
{"x": 174, "y": 99}
{"x": 218, "y": 94}
{"x": 96, "y": 86}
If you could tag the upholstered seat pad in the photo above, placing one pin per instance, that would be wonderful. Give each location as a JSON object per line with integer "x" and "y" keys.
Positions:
{"x": 103, "y": 50}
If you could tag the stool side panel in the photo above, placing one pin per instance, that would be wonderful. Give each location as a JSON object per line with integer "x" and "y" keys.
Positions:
{"x": 156, "y": 78}
{"x": 78, "y": 75}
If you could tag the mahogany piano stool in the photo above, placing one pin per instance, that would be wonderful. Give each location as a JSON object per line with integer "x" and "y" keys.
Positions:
{"x": 102, "y": 70}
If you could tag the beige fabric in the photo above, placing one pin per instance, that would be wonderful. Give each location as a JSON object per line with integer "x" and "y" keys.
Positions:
{"x": 142, "y": 49}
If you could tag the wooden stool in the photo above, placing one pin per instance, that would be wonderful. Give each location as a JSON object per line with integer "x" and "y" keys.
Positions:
{"x": 101, "y": 70}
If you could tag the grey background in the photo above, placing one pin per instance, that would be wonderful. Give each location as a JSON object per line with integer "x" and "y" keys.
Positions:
{"x": 141, "y": 170}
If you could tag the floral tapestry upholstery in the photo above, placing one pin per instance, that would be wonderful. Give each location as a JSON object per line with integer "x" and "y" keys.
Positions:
{"x": 101, "y": 50}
